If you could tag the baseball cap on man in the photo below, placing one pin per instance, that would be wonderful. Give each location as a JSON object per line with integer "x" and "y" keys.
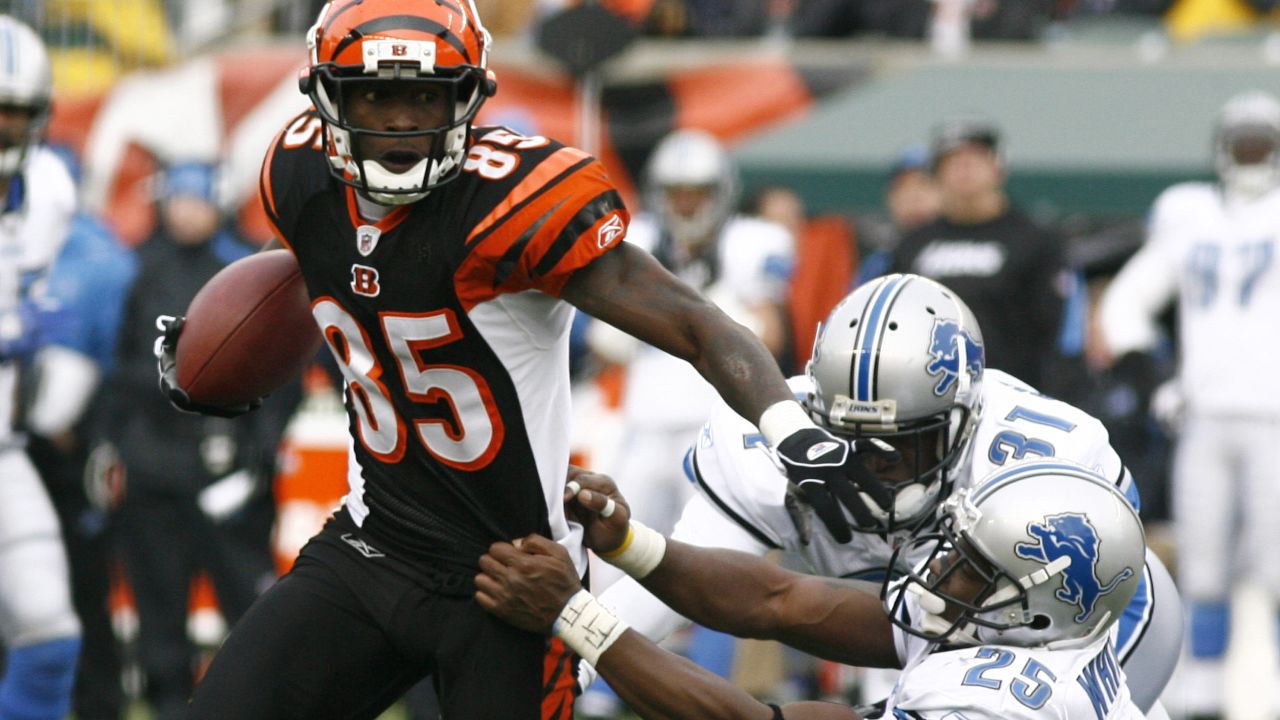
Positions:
{"x": 957, "y": 133}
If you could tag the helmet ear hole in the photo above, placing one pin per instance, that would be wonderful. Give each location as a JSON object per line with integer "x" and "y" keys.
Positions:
{"x": 1040, "y": 622}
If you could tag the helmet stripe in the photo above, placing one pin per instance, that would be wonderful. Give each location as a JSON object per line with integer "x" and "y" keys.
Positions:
{"x": 869, "y": 336}
{"x": 401, "y": 22}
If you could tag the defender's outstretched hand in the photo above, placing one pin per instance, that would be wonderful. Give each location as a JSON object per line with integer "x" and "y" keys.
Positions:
{"x": 527, "y": 583}
{"x": 593, "y": 500}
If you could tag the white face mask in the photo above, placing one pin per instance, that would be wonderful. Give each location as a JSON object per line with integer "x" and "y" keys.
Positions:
{"x": 1248, "y": 182}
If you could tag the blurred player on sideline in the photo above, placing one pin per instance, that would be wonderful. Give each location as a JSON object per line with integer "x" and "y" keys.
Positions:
{"x": 901, "y": 361}
{"x": 443, "y": 263}
{"x": 1212, "y": 247}
{"x": 38, "y": 626}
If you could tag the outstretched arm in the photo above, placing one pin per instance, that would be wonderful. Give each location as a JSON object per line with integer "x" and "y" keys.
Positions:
{"x": 630, "y": 290}
{"x": 532, "y": 585}
{"x": 727, "y": 590}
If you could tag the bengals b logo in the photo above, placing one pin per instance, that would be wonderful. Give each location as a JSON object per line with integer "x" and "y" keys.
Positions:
{"x": 364, "y": 281}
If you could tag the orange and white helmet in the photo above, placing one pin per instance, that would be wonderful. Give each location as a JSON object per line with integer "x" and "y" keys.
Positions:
{"x": 396, "y": 41}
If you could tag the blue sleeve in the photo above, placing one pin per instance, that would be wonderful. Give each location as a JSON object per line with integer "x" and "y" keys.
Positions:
{"x": 89, "y": 282}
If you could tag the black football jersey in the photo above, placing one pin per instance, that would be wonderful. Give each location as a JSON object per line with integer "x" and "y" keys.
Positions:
{"x": 445, "y": 319}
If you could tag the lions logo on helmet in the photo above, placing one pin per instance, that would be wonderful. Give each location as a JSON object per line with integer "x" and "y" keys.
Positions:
{"x": 901, "y": 359}
{"x": 1016, "y": 592}
{"x": 1071, "y": 535}
{"x": 948, "y": 343}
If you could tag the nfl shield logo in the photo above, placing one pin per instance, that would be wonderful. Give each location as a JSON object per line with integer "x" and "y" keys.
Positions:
{"x": 367, "y": 239}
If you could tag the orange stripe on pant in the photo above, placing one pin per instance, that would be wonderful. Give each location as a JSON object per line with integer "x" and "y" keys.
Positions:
{"x": 559, "y": 681}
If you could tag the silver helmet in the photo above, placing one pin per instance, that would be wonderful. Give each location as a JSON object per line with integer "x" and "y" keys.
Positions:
{"x": 691, "y": 159}
{"x": 901, "y": 359}
{"x": 26, "y": 82}
{"x": 1246, "y": 144}
{"x": 1043, "y": 553}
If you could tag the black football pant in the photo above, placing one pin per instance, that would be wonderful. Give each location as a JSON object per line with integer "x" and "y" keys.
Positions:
{"x": 165, "y": 541}
{"x": 342, "y": 636}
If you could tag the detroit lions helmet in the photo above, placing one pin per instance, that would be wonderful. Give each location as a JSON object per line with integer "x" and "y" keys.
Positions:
{"x": 1246, "y": 145}
{"x": 26, "y": 83}
{"x": 432, "y": 47}
{"x": 901, "y": 359}
{"x": 1044, "y": 553}
{"x": 691, "y": 161}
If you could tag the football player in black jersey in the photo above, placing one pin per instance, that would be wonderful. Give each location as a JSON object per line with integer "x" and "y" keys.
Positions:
{"x": 437, "y": 257}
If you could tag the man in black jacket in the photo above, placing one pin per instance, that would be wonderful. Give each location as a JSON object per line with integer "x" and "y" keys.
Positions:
{"x": 198, "y": 488}
{"x": 1007, "y": 268}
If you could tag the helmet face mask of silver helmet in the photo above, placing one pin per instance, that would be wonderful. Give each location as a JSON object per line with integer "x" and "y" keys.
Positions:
{"x": 901, "y": 359}
{"x": 26, "y": 84}
{"x": 1046, "y": 554}
{"x": 1246, "y": 146}
{"x": 691, "y": 161}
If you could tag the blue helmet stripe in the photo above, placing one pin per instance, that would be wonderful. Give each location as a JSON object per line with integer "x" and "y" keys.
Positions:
{"x": 871, "y": 332}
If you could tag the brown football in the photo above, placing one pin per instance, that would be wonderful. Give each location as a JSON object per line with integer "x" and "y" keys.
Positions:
{"x": 248, "y": 331}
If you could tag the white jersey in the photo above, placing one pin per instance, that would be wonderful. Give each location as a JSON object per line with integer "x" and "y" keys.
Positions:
{"x": 1218, "y": 257}
{"x": 753, "y": 266}
{"x": 733, "y": 467}
{"x": 1000, "y": 682}
{"x": 32, "y": 233}
{"x": 35, "y": 595}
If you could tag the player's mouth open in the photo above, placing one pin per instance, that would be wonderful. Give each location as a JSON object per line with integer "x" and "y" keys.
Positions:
{"x": 399, "y": 160}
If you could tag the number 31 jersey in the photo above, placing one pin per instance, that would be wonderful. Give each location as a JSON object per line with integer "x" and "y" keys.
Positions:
{"x": 445, "y": 319}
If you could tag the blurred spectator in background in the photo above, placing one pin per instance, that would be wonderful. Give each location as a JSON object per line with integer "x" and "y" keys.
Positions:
{"x": 708, "y": 18}
{"x": 1067, "y": 9}
{"x": 1008, "y": 268}
{"x": 1213, "y": 248}
{"x": 88, "y": 282}
{"x": 911, "y": 200}
{"x": 826, "y": 258}
{"x": 842, "y": 18}
{"x": 38, "y": 626}
{"x": 198, "y": 494}
{"x": 987, "y": 19}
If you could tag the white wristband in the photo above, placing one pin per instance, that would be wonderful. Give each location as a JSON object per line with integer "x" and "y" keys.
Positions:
{"x": 782, "y": 419}
{"x": 587, "y": 627}
{"x": 640, "y": 553}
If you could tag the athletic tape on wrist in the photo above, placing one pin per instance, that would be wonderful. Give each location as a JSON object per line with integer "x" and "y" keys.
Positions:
{"x": 783, "y": 418}
{"x": 587, "y": 627}
{"x": 640, "y": 553}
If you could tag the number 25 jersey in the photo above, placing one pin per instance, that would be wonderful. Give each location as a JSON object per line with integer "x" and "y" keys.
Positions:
{"x": 445, "y": 319}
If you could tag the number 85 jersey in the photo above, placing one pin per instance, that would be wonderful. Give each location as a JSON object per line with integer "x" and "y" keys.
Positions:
{"x": 444, "y": 316}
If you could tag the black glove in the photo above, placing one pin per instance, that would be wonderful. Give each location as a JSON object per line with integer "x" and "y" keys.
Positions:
{"x": 829, "y": 473}
{"x": 166, "y": 353}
